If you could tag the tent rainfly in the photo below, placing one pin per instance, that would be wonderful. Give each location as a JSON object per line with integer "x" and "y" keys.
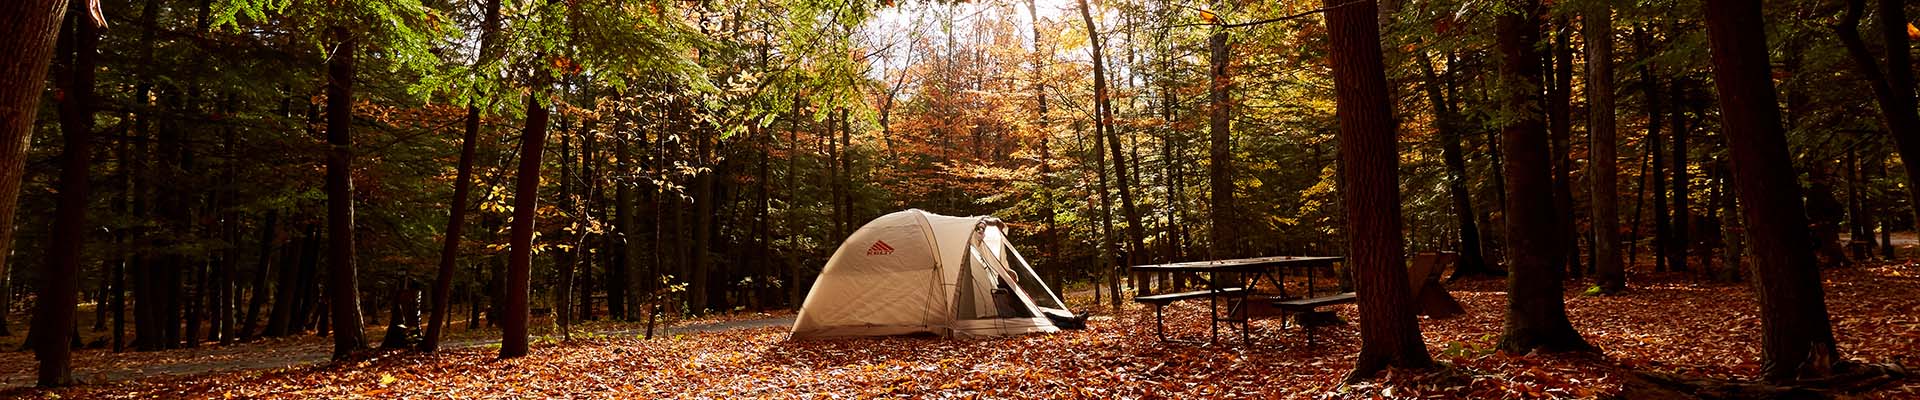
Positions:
{"x": 918, "y": 272}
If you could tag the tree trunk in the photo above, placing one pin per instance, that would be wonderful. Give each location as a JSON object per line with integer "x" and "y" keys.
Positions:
{"x": 1796, "y": 335}
{"x": 1598, "y": 32}
{"x": 53, "y": 312}
{"x": 1536, "y": 314}
{"x": 1446, "y": 123}
{"x": 287, "y": 290}
{"x": 1893, "y": 87}
{"x": 1650, "y": 93}
{"x": 1560, "y": 133}
{"x": 1104, "y": 120}
{"x": 269, "y": 233}
{"x": 628, "y": 242}
{"x": 462, "y": 189}
{"x": 565, "y": 259}
{"x": 1220, "y": 148}
{"x": 1676, "y": 249}
{"x": 342, "y": 284}
{"x": 526, "y": 194}
{"x": 456, "y": 227}
{"x": 28, "y": 30}
{"x": 1370, "y": 191}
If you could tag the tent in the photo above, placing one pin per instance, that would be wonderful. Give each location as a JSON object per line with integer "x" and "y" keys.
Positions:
{"x": 918, "y": 272}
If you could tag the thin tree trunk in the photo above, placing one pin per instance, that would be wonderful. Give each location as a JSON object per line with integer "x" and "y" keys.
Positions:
{"x": 1598, "y": 33}
{"x": 1650, "y": 94}
{"x": 1796, "y": 335}
{"x": 1104, "y": 119}
{"x": 1446, "y": 123}
{"x": 286, "y": 292}
{"x": 1536, "y": 314}
{"x": 342, "y": 284}
{"x": 1676, "y": 249}
{"x": 1560, "y": 134}
{"x": 628, "y": 242}
{"x": 269, "y": 233}
{"x": 462, "y": 189}
{"x": 520, "y": 253}
{"x": 1370, "y": 191}
{"x": 1893, "y": 87}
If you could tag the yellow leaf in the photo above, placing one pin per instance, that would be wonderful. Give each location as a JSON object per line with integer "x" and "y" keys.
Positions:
{"x": 1209, "y": 17}
{"x": 1913, "y": 33}
{"x": 386, "y": 379}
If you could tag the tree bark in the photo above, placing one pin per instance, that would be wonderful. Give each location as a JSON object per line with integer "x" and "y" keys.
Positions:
{"x": 53, "y": 312}
{"x": 1220, "y": 148}
{"x": 1370, "y": 191}
{"x": 1536, "y": 314}
{"x": 342, "y": 282}
{"x": 526, "y": 194}
{"x": 1598, "y": 33}
{"x": 28, "y": 30}
{"x": 1796, "y": 335}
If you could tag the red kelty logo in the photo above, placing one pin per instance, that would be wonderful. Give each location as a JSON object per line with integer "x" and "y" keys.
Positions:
{"x": 880, "y": 248}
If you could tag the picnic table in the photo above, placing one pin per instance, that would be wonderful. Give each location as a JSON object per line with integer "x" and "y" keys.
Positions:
{"x": 1235, "y": 281}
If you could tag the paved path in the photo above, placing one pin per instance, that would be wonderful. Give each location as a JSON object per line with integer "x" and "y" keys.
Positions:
{"x": 257, "y": 356}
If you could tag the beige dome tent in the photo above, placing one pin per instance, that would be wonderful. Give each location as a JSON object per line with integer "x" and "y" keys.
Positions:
{"x": 918, "y": 272}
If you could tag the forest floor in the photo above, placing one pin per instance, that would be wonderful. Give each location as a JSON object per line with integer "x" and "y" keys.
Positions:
{"x": 104, "y": 366}
{"x": 1666, "y": 323}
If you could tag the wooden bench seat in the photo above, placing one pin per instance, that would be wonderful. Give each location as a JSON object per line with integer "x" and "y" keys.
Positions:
{"x": 1159, "y": 301}
{"x": 1166, "y": 298}
{"x": 1305, "y": 305}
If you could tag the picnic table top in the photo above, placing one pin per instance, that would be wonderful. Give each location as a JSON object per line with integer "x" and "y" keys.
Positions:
{"x": 1243, "y": 264}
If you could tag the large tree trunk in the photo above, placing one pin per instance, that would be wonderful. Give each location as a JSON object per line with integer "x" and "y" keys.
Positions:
{"x": 53, "y": 312}
{"x": 342, "y": 283}
{"x": 1797, "y": 337}
{"x": 526, "y": 194}
{"x": 1536, "y": 314}
{"x": 1605, "y": 173}
{"x": 1220, "y": 149}
{"x": 1370, "y": 191}
{"x": 28, "y": 30}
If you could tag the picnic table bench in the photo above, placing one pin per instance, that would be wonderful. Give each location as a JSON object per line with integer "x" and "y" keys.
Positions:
{"x": 1159, "y": 301}
{"x": 1236, "y": 281}
{"x": 1233, "y": 281}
